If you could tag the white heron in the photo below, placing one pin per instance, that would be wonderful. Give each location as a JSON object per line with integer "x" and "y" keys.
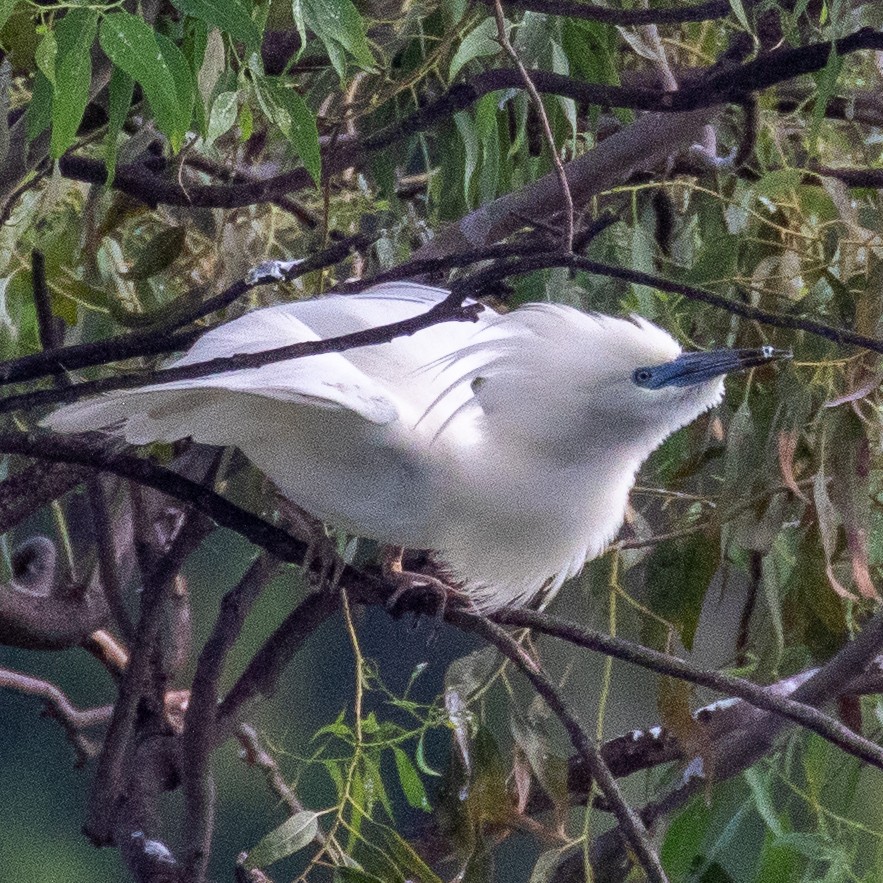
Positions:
{"x": 507, "y": 446}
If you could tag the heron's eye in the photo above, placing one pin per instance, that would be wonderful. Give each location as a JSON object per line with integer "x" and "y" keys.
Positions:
{"x": 642, "y": 376}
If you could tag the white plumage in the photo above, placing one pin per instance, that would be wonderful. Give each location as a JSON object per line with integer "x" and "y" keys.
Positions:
{"x": 507, "y": 446}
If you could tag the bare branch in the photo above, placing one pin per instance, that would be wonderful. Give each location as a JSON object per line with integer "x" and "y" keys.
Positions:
{"x": 537, "y": 103}
{"x": 59, "y": 707}
{"x": 712, "y": 9}
{"x": 262, "y": 673}
{"x": 162, "y": 338}
{"x": 200, "y": 723}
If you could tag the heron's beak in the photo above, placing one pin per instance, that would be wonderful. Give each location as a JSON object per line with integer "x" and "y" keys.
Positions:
{"x": 692, "y": 368}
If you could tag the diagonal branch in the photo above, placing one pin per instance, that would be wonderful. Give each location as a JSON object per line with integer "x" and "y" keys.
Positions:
{"x": 58, "y": 706}
{"x": 632, "y": 828}
{"x": 793, "y": 709}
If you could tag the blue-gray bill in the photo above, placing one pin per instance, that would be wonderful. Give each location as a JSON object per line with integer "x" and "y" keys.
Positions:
{"x": 689, "y": 369}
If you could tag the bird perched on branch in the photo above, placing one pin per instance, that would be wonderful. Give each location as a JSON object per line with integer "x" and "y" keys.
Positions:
{"x": 507, "y": 445}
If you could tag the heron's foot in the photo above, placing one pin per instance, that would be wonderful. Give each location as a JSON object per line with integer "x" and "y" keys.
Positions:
{"x": 424, "y": 588}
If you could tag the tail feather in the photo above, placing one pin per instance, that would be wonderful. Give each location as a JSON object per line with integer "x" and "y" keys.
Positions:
{"x": 143, "y": 417}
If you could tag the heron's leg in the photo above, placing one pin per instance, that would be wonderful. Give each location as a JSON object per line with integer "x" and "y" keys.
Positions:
{"x": 321, "y": 560}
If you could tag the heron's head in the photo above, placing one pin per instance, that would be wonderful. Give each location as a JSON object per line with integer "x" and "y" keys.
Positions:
{"x": 643, "y": 384}
{"x": 617, "y": 383}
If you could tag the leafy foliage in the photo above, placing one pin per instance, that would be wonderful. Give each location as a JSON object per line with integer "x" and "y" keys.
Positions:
{"x": 223, "y": 132}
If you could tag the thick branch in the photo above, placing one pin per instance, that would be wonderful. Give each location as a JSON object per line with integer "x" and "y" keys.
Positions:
{"x": 199, "y": 737}
{"x": 679, "y": 14}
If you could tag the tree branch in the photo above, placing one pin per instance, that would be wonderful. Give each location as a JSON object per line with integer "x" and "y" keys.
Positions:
{"x": 58, "y": 706}
{"x": 163, "y": 338}
{"x": 631, "y": 826}
{"x": 793, "y": 709}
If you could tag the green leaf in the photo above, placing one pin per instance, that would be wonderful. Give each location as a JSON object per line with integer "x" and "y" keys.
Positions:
{"x": 404, "y": 856}
{"x": 335, "y": 773}
{"x": 185, "y": 87}
{"x": 159, "y": 253}
{"x": 684, "y": 839}
{"x": 73, "y": 71}
{"x": 466, "y": 128}
{"x": 45, "y": 55}
{"x": 590, "y": 50}
{"x": 545, "y": 866}
{"x": 222, "y": 116}
{"x": 289, "y": 111}
{"x": 337, "y": 23}
{"x": 375, "y": 789}
{"x": 6, "y": 8}
{"x": 131, "y": 44}
{"x": 213, "y": 65}
{"x": 420, "y": 758}
{"x": 338, "y": 728}
{"x": 679, "y": 573}
{"x": 478, "y": 42}
{"x": 739, "y": 12}
{"x": 760, "y": 790}
{"x": 39, "y": 112}
{"x": 229, "y": 16}
{"x": 409, "y": 779}
{"x": 291, "y": 836}
{"x": 120, "y": 92}
{"x": 813, "y": 846}
{"x": 297, "y": 13}
{"x": 826, "y": 86}
{"x": 246, "y": 122}
{"x": 778, "y": 184}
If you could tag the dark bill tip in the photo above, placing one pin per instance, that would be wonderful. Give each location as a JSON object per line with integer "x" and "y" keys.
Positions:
{"x": 689, "y": 369}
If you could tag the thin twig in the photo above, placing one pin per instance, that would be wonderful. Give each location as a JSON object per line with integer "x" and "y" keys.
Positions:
{"x": 537, "y": 102}
{"x": 447, "y": 310}
{"x": 163, "y": 337}
{"x": 262, "y": 673}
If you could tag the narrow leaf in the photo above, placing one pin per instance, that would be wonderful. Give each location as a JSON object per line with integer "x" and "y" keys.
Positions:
{"x": 339, "y": 22}
{"x": 409, "y": 779}
{"x": 73, "y": 71}
{"x": 45, "y": 55}
{"x": 292, "y": 835}
{"x": 120, "y": 92}
{"x": 185, "y": 87}
{"x": 130, "y": 43}
{"x": 39, "y": 113}
{"x": 289, "y": 111}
